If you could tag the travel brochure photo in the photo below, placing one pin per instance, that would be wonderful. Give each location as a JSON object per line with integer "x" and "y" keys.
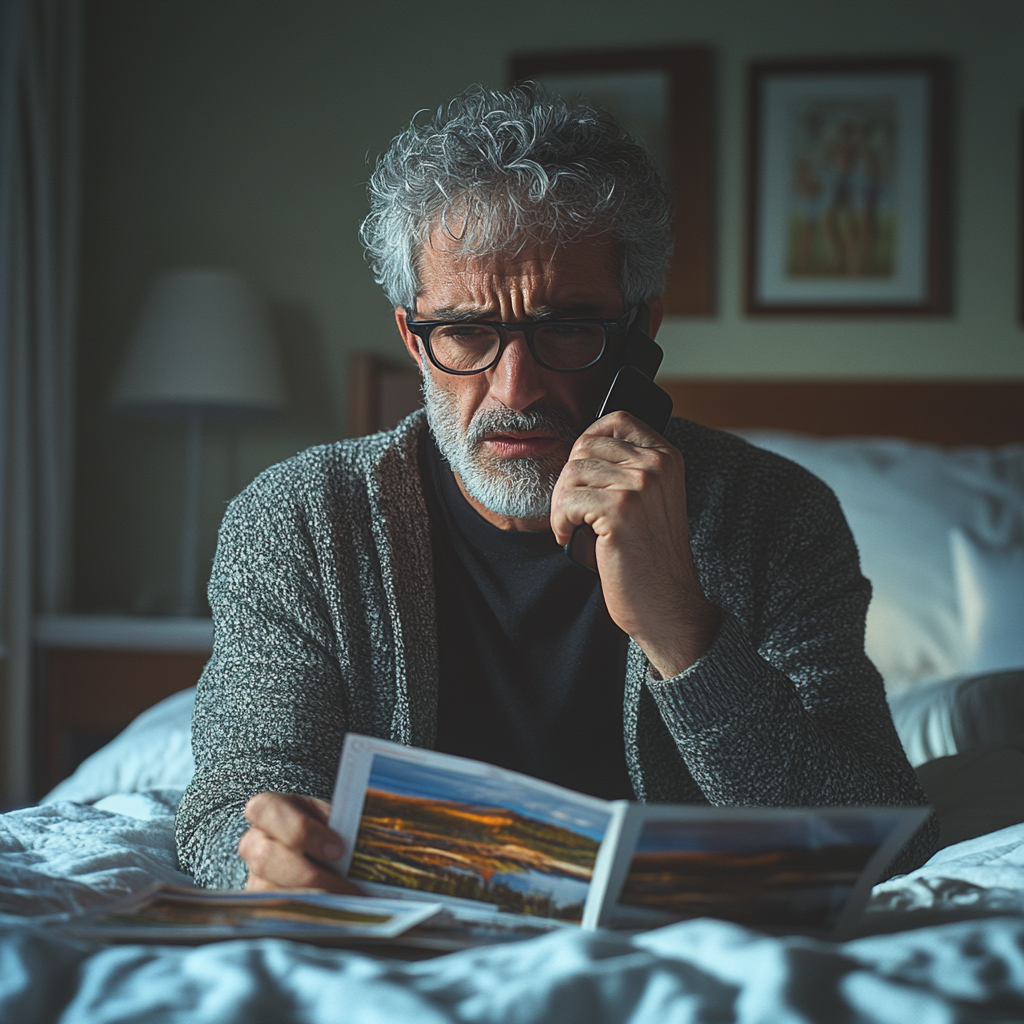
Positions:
{"x": 454, "y": 828}
{"x": 451, "y": 853}
{"x": 425, "y": 825}
{"x": 171, "y": 914}
{"x": 787, "y": 870}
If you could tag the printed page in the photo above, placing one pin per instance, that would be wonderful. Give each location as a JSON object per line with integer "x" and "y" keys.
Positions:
{"x": 808, "y": 870}
{"x": 424, "y": 825}
{"x": 172, "y": 914}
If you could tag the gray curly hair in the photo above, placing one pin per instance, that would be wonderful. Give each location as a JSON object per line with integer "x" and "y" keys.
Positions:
{"x": 508, "y": 168}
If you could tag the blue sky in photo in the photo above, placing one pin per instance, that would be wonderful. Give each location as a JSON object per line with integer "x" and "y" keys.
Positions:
{"x": 405, "y": 778}
{"x": 748, "y": 836}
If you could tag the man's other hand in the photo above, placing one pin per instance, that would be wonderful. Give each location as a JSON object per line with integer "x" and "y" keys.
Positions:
{"x": 629, "y": 484}
{"x": 285, "y": 833}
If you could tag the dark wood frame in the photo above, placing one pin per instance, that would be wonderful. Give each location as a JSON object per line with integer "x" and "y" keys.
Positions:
{"x": 380, "y": 392}
{"x": 945, "y": 412}
{"x": 85, "y": 697}
{"x": 939, "y": 69}
{"x": 1020, "y": 221}
{"x": 690, "y": 286}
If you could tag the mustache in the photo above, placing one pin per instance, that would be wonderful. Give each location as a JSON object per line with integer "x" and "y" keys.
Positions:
{"x": 510, "y": 421}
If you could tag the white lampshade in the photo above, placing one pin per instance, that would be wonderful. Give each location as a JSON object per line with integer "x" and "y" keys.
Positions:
{"x": 203, "y": 340}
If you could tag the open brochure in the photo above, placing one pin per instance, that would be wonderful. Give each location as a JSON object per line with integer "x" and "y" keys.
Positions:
{"x": 168, "y": 913}
{"x": 417, "y": 824}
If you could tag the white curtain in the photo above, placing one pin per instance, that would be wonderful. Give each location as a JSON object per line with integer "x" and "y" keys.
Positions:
{"x": 40, "y": 89}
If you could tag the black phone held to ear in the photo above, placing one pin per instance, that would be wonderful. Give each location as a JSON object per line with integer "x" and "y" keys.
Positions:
{"x": 632, "y": 391}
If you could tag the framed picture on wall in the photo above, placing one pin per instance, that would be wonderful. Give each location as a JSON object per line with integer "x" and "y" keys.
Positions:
{"x": 848, "y": 202}
{"x": 1020, "y": 219}
{"x": 664, "y": 96}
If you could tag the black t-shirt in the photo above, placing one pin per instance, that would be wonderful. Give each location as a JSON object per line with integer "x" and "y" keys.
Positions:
{"x": 531, "y": 666}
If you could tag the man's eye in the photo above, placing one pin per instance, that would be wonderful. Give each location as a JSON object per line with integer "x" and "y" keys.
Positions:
{"x": 466, "y": 334}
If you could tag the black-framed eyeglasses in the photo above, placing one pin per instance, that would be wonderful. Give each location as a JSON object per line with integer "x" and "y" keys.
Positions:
{"x": 472, "y": 346}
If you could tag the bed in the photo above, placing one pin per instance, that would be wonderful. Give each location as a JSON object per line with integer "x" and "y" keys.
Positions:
{"x": 941, "y": 534}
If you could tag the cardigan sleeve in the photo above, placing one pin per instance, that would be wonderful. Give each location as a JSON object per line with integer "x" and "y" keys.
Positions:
{"x": 269, "y": 713}
{"x": 785, "y": 708}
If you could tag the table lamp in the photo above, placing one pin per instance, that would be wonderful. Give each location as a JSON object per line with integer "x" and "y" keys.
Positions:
{"x": 202, "y": 350}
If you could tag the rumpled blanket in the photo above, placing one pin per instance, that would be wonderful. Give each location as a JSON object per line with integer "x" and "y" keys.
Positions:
{"x": 62, "y": 858}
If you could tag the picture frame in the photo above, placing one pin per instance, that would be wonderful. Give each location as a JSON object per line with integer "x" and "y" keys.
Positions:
{"x": 1020, "y": 219}
{"x": 663, "y": 95}
{"x": 848, "y": 205}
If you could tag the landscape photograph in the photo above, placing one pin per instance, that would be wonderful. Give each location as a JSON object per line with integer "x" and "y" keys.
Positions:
{"x": 522, "y": 849}
{"x": 792, "y": 874}
{"x": 168, "y": 910}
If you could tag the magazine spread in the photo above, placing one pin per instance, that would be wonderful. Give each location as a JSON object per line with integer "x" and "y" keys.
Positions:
{"x": 421, "y": 825}
{"x": 166, "y": 913}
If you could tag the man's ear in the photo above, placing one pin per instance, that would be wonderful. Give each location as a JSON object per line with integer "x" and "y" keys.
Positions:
{"x": 657, "y": 308}
{"x": 412, "y": 342}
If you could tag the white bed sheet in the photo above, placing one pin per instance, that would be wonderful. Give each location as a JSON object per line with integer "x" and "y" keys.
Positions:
{"x": 63, "y": 857}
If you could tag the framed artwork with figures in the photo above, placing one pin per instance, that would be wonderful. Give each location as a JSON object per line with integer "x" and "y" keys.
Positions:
{"x": 849, "y": 186}
{"x": 663, "y": 96}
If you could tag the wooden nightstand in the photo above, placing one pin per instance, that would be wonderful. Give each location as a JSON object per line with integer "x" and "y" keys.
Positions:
{"x": 97, "y": 672}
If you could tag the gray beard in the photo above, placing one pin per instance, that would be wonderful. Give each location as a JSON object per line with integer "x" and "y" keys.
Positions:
{"x": 518, "y": 488}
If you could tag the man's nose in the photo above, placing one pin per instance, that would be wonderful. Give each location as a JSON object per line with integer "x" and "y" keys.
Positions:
{"x": 517, "y": 381}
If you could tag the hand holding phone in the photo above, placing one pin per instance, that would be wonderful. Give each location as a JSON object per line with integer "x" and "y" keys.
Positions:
{"x": 632, "y": 390}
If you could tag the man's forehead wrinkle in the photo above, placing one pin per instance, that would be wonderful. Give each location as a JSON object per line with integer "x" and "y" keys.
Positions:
{"x": 461, "y": 303}
{"x": 542, "y": 281}
{"x": 474, "y": 295}
{"x": 542, "y": 311}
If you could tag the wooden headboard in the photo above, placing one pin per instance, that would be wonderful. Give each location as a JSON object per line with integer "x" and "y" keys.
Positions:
{"x": 943, "y": 412}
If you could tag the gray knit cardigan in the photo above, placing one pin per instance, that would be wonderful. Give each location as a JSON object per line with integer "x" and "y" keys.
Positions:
{"x": 324, "y": 621}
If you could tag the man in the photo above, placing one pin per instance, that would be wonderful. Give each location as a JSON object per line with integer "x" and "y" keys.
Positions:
{"x": 411, "y": 585}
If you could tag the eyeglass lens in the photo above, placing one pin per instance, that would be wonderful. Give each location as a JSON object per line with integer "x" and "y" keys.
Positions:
{"x": 561, "y": 346}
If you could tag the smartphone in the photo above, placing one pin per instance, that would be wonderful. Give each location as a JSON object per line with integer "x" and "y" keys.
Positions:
{"x": 633, "y": 390}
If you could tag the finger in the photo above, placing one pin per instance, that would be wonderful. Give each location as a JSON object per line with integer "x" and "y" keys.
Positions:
{"x": 617, "y": 449}
{"x": 624, "y": 425}
{"x": 606, "y": 449}
{"x": 603, "y": 508}
{"x": 604, "y": 493}
{"x": 602, "y": 473}
{"x": 272, "y": 865}
{"x": 607, "y": 462}
{"x": 320, "y": 809}
{"x": 342, "y": 886}
{"x": 297, "y": 822}
{"x": 597, "y": 497}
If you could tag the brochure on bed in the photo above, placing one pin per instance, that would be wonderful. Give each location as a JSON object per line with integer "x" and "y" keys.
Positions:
{"x": 422, "y": 825}
{"x": 174, "y": 914}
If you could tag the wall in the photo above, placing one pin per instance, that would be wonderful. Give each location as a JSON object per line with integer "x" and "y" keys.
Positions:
{"x": 237, "y": 133}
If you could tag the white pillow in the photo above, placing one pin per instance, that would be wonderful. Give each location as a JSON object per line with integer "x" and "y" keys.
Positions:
{"x": 902, "y": 499}
{"x": 990, "y": 589}
{"x": 154, "y": 752}
{"x": 960, "y": 715}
